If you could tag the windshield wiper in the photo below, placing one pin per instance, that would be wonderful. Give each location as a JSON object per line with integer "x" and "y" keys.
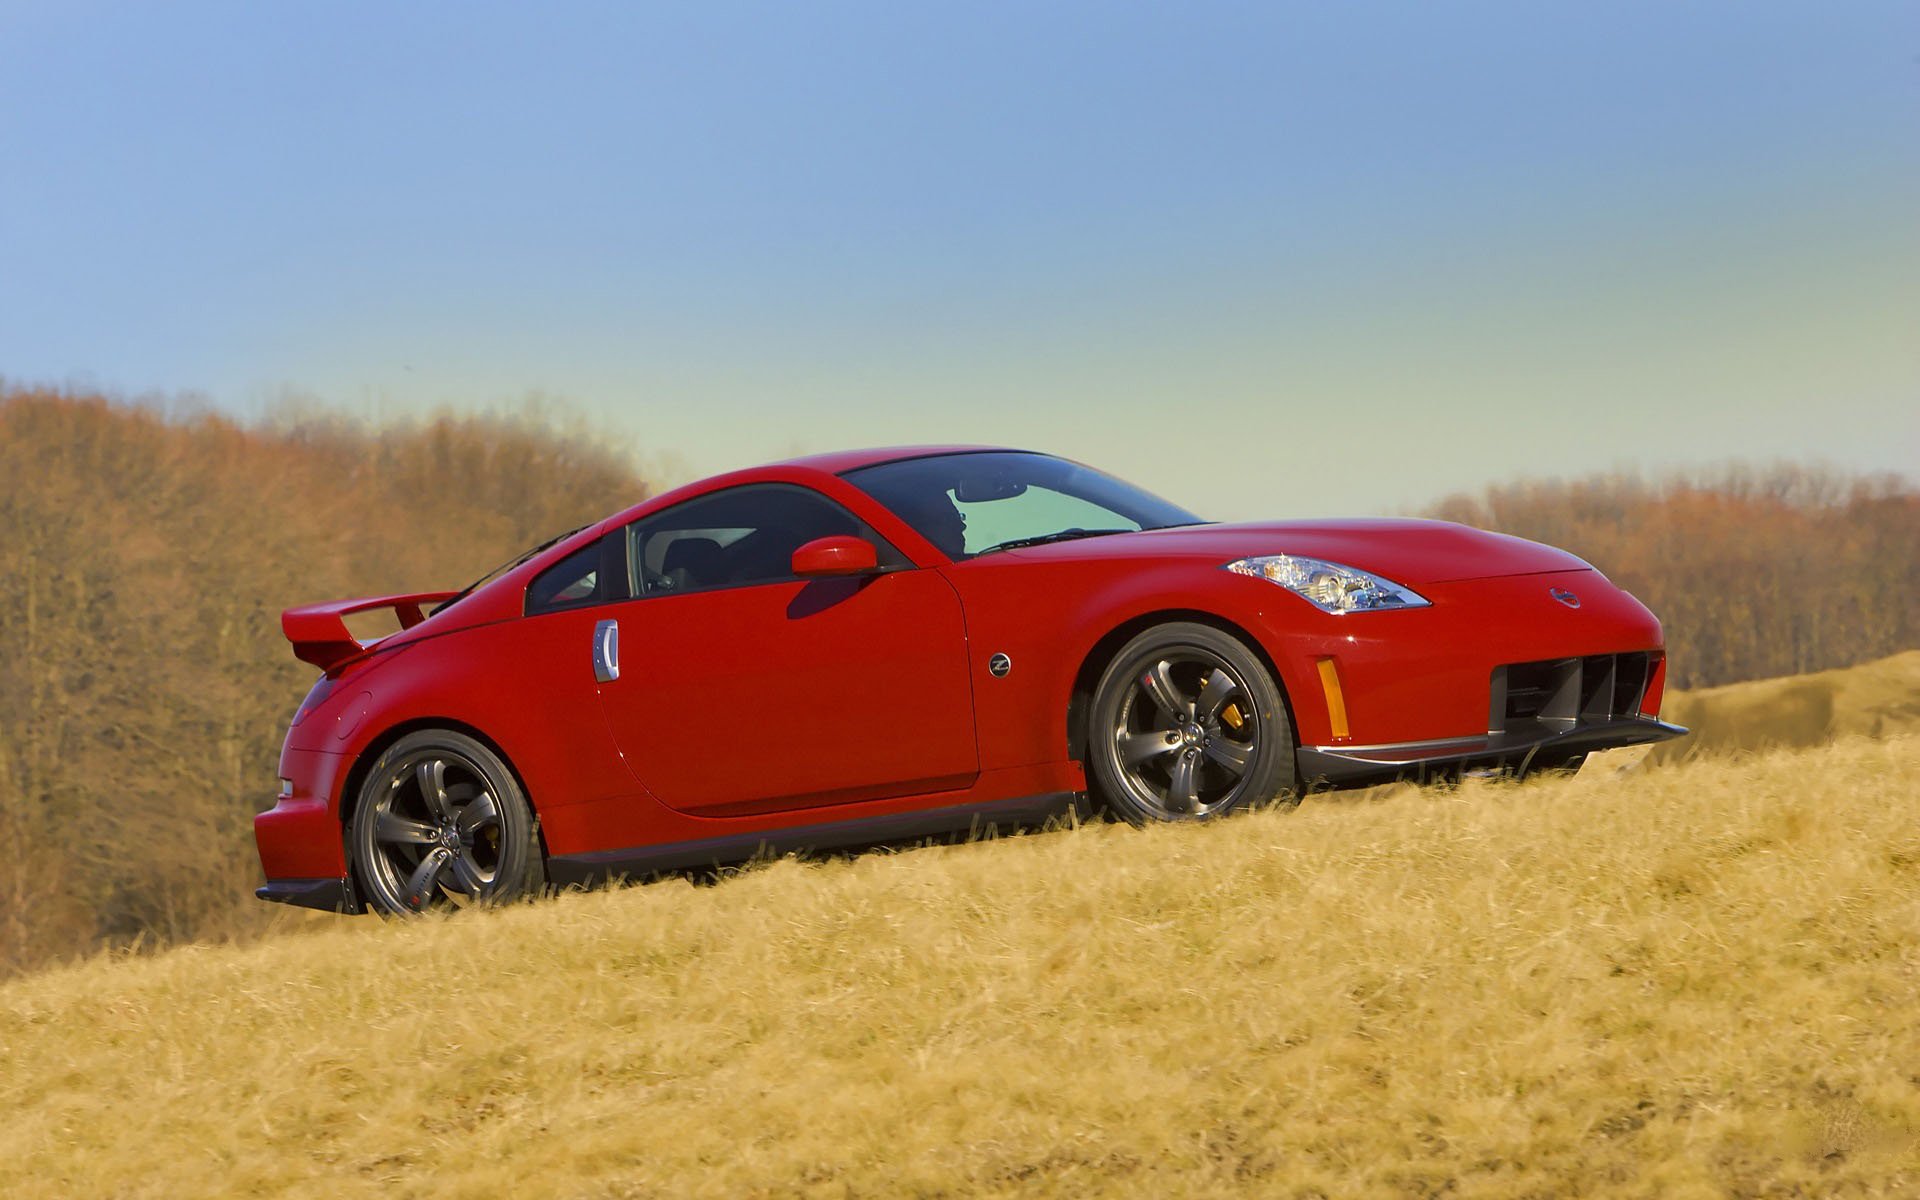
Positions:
{"x": 1065, "y": 535}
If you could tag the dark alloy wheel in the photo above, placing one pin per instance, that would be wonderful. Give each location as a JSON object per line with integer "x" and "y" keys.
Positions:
{"x": 442, "y": 821}
{"x": 1187, "y": 723}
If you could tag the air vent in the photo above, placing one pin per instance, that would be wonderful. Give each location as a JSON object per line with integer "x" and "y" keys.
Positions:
{"x": 1557, "y": 694}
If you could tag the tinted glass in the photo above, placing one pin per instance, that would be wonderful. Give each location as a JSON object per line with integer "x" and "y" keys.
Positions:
{"x": 502, "y": 569}
{"x": 968, "y": 503}
{"x": 575, "y": 579}
{"x": 736, "y": 538}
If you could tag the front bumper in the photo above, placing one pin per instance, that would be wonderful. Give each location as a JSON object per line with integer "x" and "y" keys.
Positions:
{"x": 1518, "y": 752}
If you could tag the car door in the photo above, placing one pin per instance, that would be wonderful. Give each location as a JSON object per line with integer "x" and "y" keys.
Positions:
{"x": 742, "y": 689}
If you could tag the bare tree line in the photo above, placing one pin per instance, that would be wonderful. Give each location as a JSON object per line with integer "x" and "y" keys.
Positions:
{"x": 1755, "y": 572}
{"x": 145, "y": 687}
{"x": 145, "y": 558}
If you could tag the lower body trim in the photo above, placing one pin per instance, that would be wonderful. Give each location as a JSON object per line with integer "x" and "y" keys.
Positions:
{"x": 639, "y": 862}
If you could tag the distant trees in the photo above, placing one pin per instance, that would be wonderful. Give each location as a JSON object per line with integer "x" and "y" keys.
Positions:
{"x": 1754, "y": 572}
{"x": 145, "y": 558}
{"x": 144, "y": 684}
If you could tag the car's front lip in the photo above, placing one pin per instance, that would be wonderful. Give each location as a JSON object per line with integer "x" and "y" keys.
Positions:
{"x": 1342, "y": 764}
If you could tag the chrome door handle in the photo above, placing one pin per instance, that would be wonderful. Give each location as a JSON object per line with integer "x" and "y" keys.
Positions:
{"x": 606, "y": 651}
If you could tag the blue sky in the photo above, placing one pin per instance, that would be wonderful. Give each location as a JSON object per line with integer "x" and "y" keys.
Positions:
{"x": 1265, "y": 259}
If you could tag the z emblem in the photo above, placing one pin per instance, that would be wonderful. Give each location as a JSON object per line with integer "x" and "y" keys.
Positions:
{"x": 1565, "y": 597}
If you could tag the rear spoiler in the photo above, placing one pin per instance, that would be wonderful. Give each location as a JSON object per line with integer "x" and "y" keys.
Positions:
{"x": 319, "y": 631}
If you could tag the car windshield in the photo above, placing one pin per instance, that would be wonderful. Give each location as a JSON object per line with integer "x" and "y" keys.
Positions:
{"x": 979, "y": 502}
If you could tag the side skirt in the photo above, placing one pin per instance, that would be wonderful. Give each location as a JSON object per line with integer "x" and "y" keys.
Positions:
{"x": 640, "y": 862}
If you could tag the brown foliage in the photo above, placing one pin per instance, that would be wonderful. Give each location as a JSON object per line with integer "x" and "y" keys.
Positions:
{"x": 145, "y": 687}
{"x": 145, "y": 557}
{"x": 1754, "y": 573}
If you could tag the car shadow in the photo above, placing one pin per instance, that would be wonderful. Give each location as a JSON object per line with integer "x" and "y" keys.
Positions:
{"x": 1081, "y": 812}
{"x": 819, "y": 595}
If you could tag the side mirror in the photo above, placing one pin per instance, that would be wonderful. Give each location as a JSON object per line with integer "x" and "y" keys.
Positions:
{"x": 841, "y": 555}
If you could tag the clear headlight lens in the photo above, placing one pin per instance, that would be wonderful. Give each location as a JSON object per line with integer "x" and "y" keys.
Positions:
{"x": 1329, "y": 586}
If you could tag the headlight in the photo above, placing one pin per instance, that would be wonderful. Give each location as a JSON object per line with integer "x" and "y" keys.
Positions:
{"x": 1328, "y": 585}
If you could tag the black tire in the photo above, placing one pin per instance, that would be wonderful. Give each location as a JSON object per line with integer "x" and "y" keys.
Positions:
{"x": 1188, "y": 724}
{"x": 441, "y": 821}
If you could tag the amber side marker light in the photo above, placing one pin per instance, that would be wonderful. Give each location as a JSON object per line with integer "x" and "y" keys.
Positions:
{"x": 1336, "y": 701}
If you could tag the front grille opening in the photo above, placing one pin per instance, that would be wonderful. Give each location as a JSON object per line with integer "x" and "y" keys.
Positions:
{"x": 1630, "y": 682}
{"x": 1559, "y": 693}
{"x": 1529, "y": 689}
{"x": 1596, "y": 687}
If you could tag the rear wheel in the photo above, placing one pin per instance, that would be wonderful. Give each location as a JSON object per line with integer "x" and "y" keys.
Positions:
{"x": 1187, "y": 723}
{"x": 442, "y": 821}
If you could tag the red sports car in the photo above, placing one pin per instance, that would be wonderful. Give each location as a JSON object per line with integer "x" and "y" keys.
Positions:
{"x": 879, "y": 645}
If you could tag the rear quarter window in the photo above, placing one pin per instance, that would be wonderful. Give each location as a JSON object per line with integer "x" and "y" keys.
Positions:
{"x": 575, "y": 580}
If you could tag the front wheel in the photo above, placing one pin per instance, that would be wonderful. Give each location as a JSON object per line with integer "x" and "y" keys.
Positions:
{"x": 1187, "y": 723}
{"x": 441, "y": 820}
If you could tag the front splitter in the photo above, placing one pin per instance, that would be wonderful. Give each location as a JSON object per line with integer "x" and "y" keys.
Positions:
{"x": 1359, "y": 766}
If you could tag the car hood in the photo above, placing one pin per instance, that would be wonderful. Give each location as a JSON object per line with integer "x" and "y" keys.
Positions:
{"x": 1409, "y": 552}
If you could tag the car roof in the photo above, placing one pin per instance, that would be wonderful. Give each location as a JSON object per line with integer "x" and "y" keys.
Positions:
{"x": 835, "y": 462}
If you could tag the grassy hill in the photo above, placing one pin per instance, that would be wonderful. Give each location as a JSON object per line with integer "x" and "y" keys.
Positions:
{"x": 1875, "y": 699}
{"x": 146, "y": 552}
{"x": 1696, "y": 981}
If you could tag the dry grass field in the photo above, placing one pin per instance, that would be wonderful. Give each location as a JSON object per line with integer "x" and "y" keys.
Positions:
{"x": 147, "y": 550}
{"x": 1697, "y": 980}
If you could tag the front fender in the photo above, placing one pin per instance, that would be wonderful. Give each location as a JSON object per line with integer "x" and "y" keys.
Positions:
{"x": 1048, "y": 617}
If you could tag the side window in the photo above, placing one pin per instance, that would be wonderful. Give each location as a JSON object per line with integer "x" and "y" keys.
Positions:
{"x": 737, "y": 538}
{"x": 575, "y": 579}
